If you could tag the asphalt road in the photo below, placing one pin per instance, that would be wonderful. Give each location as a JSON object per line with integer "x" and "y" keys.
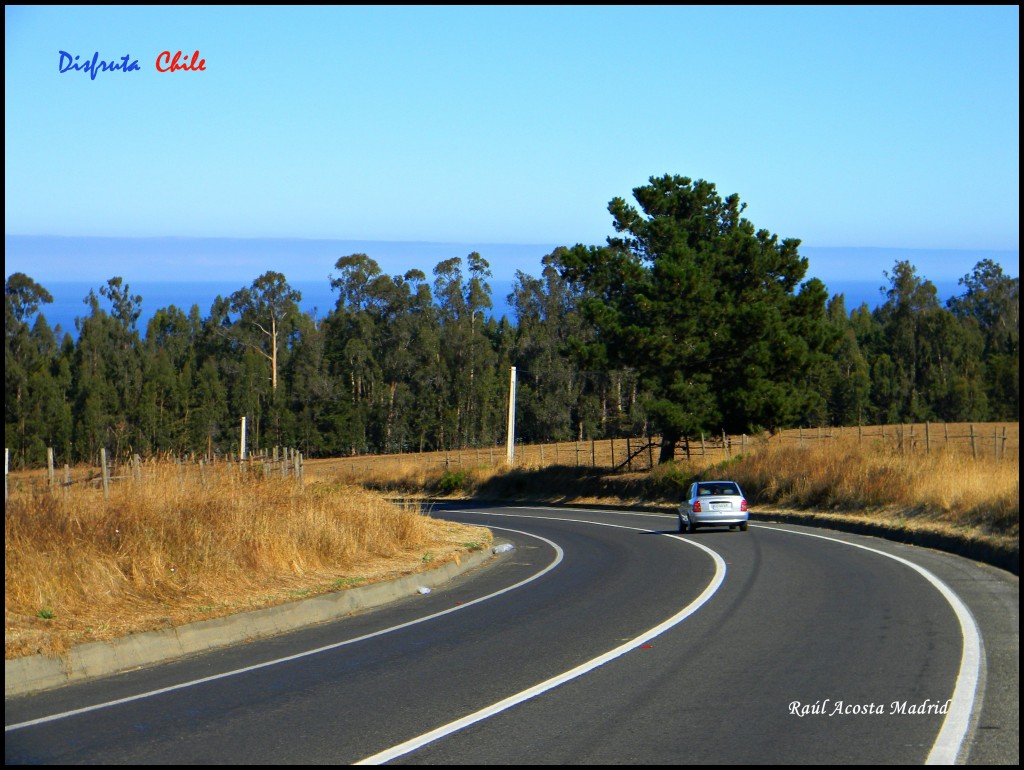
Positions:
{"x": 603, "y": 638}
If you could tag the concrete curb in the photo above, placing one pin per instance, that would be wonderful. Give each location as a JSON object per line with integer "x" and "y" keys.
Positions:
{"x": 88, "y": 661}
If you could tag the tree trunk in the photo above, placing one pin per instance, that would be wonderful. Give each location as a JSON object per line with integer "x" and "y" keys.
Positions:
{"x": 668, "y": 447}
{"x": 273, "y": 352}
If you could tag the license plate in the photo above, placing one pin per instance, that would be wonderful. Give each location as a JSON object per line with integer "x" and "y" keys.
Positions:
{"x": 721, "y": 506}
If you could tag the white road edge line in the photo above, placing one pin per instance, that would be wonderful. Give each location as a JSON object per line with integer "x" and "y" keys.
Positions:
{"x": 949, "y": 742}
{"x": 559, "y": 555}
{"x": 415, "y": 743}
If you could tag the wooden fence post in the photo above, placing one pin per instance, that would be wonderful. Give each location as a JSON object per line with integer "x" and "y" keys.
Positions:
{"x": 974, "y": 448}
{"x": 106, "y": 477}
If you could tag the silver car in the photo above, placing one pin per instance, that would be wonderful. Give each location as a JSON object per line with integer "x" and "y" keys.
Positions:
{"x": 714, "y": 504}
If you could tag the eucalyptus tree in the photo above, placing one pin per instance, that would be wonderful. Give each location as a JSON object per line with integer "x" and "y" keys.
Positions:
{"x": 402, "y": 315}
{"x": 210, "y": 423}
{"x": 990, "y": 305}
{"x": 350, "y": 331}
{"x": 423, "y": 427}
{"x": 925, "y": 364}
{"x": 314, "y": 396}
{"x": 467, "y": 357}
{"x": 169, "y": 362}
{"x": 550, "y": 383}
{"x": 95, "y": 399}
{"x": 267, "y": 314}
{"x": 37, "y": 376}
{"x": 377, "y": 329}
{"x": 30, "y": 352}
{"x": 849, "y": 393}
{"x": 107, "y": 372}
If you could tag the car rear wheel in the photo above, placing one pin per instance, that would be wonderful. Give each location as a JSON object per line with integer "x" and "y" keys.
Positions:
{"x": 743, "y": 527}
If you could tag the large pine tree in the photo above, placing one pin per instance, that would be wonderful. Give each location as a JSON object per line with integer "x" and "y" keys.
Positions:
{"x": 705, "y": 308}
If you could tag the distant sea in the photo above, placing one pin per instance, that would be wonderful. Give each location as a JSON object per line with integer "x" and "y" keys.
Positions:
{"x": 319, "y": 299}
{"x": 194, "y": 271}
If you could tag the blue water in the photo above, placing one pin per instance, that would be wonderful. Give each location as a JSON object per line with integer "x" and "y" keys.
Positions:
{"x": 319, "y": 299}
{"x": 187, "y": 271}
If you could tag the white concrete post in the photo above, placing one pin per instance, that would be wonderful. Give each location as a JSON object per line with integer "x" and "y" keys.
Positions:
{"x": 510, "y": 443}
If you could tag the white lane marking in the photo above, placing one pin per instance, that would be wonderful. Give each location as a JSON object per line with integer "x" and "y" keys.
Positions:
{"x": 485, "y": 713}
{"x": 949, "y": 741}
{"x": 612, "y": 511}
{"x": 559, "y": 555}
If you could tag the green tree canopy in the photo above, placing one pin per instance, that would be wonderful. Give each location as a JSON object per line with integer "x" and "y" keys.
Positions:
{"x": 705, "y": 308}
{"x": 268, "y": 311}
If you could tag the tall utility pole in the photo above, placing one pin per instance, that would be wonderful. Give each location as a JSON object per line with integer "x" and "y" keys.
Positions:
{"x": 510, "y": 443}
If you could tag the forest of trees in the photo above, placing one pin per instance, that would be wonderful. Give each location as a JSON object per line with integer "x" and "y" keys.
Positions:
{"x": 689, "y": 319}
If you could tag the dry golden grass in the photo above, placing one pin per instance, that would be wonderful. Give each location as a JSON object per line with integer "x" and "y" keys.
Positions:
{"x": 180, "y": 545}
{"x": 880, "y": 481}
{"x": 183, "y": 545}
{"x": 986, "y": 442}
{"x": 958, "y": 478}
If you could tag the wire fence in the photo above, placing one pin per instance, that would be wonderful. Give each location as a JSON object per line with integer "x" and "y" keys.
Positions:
{"x": 982, "y": 442}
{"x": 280, "y": 462}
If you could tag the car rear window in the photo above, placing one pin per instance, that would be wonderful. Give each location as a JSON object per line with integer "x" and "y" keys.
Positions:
{"x": 709, "y": 490}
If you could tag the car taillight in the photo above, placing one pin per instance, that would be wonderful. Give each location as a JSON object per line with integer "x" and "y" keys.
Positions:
{"x": 743, "y": 506}
{"x": 696, "y": 506}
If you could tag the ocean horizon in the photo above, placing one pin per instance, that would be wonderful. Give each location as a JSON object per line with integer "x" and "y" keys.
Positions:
{"x": 319, "y": 299}
{"x": 185, "y": 271}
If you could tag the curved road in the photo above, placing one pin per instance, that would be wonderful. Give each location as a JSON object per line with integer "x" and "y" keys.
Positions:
{"x": 604, "y": 637}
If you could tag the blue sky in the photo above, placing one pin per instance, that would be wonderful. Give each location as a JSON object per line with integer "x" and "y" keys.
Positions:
{"x": 871, "y": 127}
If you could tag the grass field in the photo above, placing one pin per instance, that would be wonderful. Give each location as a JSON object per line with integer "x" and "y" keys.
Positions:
{"x": 986, "y": 442}
{"x": 951, "y": 486}
{"x": 175, "y": 543}
{"x": 181, "y": 544}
